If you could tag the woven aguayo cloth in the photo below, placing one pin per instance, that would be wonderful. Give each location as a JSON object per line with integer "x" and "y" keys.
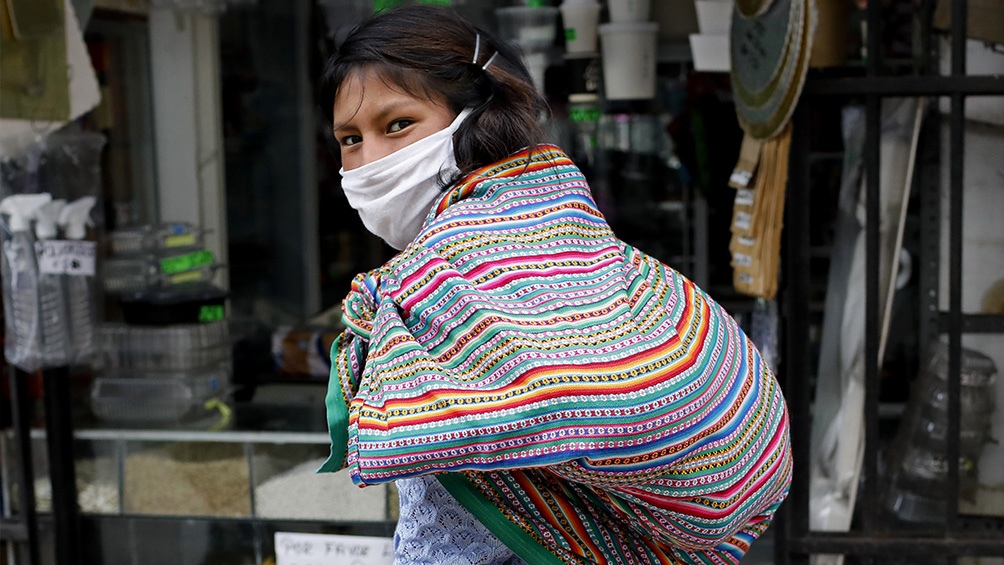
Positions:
{"x": 587, "y": 403}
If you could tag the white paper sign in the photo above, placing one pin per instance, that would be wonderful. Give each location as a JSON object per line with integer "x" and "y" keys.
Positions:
{"x": 65, "y": 257}
{"x": 744, "y": 197}
{"x": 324, "y": 549}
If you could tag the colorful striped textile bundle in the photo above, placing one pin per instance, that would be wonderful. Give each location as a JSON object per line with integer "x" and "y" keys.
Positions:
{"x": 588, "y": 403}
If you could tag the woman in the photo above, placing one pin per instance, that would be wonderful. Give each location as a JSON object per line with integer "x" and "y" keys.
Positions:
{"x": 538, "y": 389}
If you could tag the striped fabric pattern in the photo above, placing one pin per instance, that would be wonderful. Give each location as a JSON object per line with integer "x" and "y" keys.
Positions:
{"x": 596, "y": 398}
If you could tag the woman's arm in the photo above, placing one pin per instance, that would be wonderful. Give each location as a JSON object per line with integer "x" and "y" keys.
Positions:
{"x": 348, "y": 357}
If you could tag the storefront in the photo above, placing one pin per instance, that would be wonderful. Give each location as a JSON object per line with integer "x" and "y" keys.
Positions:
{"x": 842, "y": 207}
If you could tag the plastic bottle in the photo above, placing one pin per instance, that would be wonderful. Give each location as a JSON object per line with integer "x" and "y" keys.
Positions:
{"x": 79, "y": 283}
{"x": 20, "y": 280}
{"x": 55, "y": 338}
{"x": 919, "y": 462}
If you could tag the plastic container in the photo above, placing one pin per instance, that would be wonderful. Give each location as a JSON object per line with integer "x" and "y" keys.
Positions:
{"x": 629, "y": 10}
{"x": 919, "y": 460}
{"x": 153, "y": 237}
{"x": 532, "y": 28}
{"x": 182, "y": 347}
{"x": 714, "y": 17}
{"x": 156, "y": 269}
{"x": 710, "y": 53}
{"x": 191, "y": 303}
{"x": 580, "y": 19}
{"x": 167, "y": 398}
{"x": 536, "y": 64}
{"x": 629, "y": 60}
{"x": 584, "y": 76}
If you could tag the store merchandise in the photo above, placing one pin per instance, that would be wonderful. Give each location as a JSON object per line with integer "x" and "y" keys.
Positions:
{"x": 156, "y": 236}
{"x": 169, "y": 375}
{"x": 710, "y": 52}
{"x": 169, "y": 362}
{"x": 301, "y": 493}
{"x": 175, "y": 347}
{"x": 157, "y": 268}
{"x": 584, "y": 77}
{"x": 769, "y": 45}
{"x": 97, "y": 492}
{"x": 533, "y": 29}
{"x": 918, "y": 462}
{"x": 629, "y": 10}
{"x": 157, "y": 399}
{"x": 629, "y": 59}
{"x": 303, "y": 351}
{"x": 48, "y": 275}
{"x": 188, "y": 303}
{"x": 22, "y": 345}
{"x": 187, "y": 479}
{"x": 710, "y": 47}
{"x": 80, "y": 286}
{"x": 48, "y": 194}
{"x": 838, "y": 430}
{"x": 52, "y": 298}
{"x": 629, "y": 51}
{"x": 757, "y": 215}
{"x": 581, "y": 19}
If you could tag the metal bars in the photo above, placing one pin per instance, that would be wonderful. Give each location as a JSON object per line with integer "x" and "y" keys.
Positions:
{"x": 956, "y": 153}
{"x": 62, "y": 470}
{"x": 27, "y": 525}
{"x": 794, "y": 373}
{"x": 796, "y": 540}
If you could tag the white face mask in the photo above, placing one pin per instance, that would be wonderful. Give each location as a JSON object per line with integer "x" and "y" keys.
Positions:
{"x": 395, "y": 193}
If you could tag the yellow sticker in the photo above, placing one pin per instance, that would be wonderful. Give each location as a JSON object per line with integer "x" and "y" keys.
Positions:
{"x": 179, "y": 240}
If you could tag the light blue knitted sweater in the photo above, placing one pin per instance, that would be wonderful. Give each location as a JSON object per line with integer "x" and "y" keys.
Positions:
{"x": 434, "y": 529}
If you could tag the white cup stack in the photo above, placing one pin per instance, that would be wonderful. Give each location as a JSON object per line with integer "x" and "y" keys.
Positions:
{"x": 628, "y": 45}
{"x": 532, "y": 29}
{"x": 710, "y": 48}
{"x": 580, "y": 18}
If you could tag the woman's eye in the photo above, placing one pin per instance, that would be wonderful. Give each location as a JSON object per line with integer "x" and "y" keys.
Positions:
{"x": 350, "y": 140}
{"x": 398, "y": 125}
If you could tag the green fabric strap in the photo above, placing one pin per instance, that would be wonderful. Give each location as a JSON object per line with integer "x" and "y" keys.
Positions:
{"x": 514, "y": 537}
{"x": 338, "y": 422}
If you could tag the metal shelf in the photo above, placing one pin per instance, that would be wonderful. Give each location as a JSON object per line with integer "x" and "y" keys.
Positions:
{"x": 252, "y": 459}
{"x": 871, "y": 539}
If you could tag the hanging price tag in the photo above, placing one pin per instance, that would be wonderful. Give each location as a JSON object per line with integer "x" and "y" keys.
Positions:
{"x": 322, "y": 549}
{"x": 65, "y": 257}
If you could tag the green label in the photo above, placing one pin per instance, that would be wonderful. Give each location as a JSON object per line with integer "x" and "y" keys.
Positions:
{"x": 382, "y": 5}
{"x": 536, "y": 3}
{"x": 578, "y": 115}
{"x": 570, "y": 34}
{"x": 211, "y": 313}
{"x": 186, "y": 262}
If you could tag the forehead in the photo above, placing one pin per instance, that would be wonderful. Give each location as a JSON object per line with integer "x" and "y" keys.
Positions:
{"x": 367, "y": 90}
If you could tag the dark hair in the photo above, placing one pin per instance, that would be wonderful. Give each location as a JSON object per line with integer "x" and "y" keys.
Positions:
{"x": 427, "y": 51}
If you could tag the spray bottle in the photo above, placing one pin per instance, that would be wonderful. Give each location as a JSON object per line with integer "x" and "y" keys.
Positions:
{"x": 55, "y": 345}
{"x": 20, "y": 280}
{"x": 79, "y": 278}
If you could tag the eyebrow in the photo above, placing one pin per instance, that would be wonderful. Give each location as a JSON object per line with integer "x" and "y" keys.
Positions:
{"x": 381, "y": 115}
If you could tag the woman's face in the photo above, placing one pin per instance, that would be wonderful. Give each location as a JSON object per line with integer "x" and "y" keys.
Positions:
{"x": 373, "y": 120}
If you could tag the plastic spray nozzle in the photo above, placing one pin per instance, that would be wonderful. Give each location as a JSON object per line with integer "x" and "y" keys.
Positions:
{"x": 46, "y": 216}
{"x": 21, "y": 208}
{"x": 76, "y": 216}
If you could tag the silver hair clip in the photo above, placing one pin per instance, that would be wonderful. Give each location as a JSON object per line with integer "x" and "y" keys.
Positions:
{"x": 477, "y": 51}
{"x": 490, "y": 59}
